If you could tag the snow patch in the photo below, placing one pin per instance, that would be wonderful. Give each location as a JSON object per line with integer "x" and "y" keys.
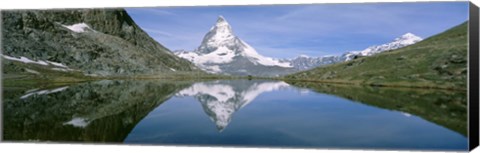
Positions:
{"x": 25, "y": 60}
{"x": 57, "y": 64}
{"x": 78, "y": 122}
{"x": 91, "y": 74}
{"x": 78, "y": 28}
{"x": 61, "y": 69}
{"x": 32, "y": 71}
{"x": 39, "y": 62}
{"x": 43, "y": 92}
{"x": 406, "y": 114}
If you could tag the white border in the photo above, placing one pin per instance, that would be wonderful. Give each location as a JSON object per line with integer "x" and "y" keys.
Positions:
{"x": 80, "y": 148}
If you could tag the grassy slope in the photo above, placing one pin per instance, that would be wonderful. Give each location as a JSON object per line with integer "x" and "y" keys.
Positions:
{"x": 437, "y": 62}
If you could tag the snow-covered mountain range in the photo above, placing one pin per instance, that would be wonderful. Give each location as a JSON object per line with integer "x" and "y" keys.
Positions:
{"x": 224, "y": 53}
{"x": 305, "y": 62}
{"x": 220, "y": 99}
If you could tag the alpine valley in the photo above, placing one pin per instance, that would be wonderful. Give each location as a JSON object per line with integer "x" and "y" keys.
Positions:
{"x": 99, "y": 76}
{"x": 108, "y": 43}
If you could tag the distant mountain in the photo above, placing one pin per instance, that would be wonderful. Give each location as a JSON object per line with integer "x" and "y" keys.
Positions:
{"x": 220, "y": 99}
{"x": 223, "y": 52}
{"x": 438, "y": 62}
{"x": 305, "y": 62}
{"x": 103, "y": 42}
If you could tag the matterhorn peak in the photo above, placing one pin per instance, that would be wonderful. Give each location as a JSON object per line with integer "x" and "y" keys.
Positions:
{"x": 221, "y": 23}
{"x": 221, "y": 19}
{"x": 220, "y": 35}
{"x": 222, "y": 52}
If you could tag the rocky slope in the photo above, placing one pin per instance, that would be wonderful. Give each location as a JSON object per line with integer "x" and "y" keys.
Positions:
{"x": 104, "y": 42}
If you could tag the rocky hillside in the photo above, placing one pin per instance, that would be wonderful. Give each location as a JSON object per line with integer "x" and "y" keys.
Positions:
{"x": 102, "y": 42}
{"x": 439, "y": 62}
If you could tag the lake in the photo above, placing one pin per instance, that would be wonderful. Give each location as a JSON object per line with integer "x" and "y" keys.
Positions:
{"x": 251, "y": 113}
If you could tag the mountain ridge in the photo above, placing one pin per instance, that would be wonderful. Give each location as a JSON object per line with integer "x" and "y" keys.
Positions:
{"x": 304, "y": 62}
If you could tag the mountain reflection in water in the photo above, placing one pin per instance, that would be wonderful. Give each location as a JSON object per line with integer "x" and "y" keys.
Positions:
{"x": 257, "y": 113}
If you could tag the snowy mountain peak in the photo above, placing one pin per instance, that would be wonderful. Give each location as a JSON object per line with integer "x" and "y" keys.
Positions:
{"x": 221, "y": 52}
{"x": 408, "y": 38}
{"x": 221, "y": 23}
{"x": 220, "y": 35}
{"x": 221, "y": 20}
{"x": 402, "y": 41}
{"x": 408, "y": 34}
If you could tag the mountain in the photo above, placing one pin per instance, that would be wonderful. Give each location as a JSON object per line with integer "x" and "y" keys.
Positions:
{"x": 221, "y": 99}
{"x": 305, "y": 62}
{"x": 223, "y": 52}
{"x": 436, "y": 62}
{"x": 96, "y": 42}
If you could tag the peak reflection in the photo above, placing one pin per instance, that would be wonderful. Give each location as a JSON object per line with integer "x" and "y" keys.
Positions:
{"x": 220, "y": 99}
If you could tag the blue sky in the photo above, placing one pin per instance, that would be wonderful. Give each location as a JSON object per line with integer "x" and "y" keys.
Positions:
{"x": 286, "y": 31}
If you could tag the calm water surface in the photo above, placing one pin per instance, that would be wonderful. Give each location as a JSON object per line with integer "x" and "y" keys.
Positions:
{"x": 254, "y": 113}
